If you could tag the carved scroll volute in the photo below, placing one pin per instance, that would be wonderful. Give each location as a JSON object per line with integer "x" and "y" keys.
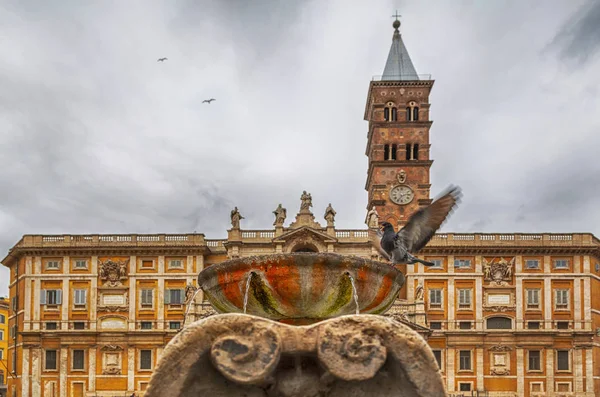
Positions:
{"x": 247, "y": 359}
{"x": 349, "y": 352}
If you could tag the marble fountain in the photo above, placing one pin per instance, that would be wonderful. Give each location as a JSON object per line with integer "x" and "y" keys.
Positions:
{"x": 298, "y": 325}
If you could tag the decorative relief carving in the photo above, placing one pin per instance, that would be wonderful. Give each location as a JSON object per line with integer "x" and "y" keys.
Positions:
{"x": 113, "y": 272}
{"x": 499, "y": 272}
{"x": 111, "y": 348}
{"x": 500, "y": 348}
{"x": 500, "y": 371}
{"x": 111, "y": 359}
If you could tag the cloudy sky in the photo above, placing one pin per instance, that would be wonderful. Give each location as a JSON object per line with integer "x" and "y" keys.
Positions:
{"x": 98, "y": 137}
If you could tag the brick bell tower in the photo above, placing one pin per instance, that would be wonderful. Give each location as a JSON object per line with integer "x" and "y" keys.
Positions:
{"x": 397, "y": 110}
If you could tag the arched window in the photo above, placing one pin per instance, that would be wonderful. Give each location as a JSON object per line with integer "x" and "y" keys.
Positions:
{"x": 415, "y": 151}
{"x": 408, "y": 151}
{"x": 499, "y": 323}
{"x": 390, "y": 113}
{"x": 412, "y": 111}
{"x": 393, "y": 153}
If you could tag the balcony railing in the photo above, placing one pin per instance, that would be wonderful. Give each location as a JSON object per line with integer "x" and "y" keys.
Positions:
{"x": 108, "y": 240}
{"x": 403, "y": 77}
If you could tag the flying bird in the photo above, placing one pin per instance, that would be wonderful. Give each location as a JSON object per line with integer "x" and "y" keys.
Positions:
{"x": 209, "y": 100}
{"x": 399, "y": 248}
{"x": 161, "y": 59}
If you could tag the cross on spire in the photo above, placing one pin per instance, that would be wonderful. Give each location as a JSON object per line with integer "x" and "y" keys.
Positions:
{"x": 396, "y": 15}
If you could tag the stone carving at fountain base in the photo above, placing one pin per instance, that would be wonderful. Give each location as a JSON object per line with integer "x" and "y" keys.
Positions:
{"x": 243, "y": 355}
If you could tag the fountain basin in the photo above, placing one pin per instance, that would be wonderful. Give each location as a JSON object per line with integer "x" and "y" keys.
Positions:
{"x": 301, "y": 288}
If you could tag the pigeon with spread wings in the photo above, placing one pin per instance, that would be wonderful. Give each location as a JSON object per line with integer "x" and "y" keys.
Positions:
{"x": 161, "y": 59}
{"x": 399, "y": 248}
{"x": 208, "y": 100}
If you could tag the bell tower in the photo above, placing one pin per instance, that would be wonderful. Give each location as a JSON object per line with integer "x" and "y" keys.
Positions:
{"x": 397, "y": 110}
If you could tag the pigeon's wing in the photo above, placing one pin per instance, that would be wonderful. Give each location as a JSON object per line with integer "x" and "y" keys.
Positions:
{"x": 423, "y": 224}
{"x": 376, "y": 242}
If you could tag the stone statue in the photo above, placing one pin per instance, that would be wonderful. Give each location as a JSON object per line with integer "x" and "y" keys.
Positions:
{"x": 190, "y": 290}
{"x": 372, "y": 220}
{"x": 236, "y": 217}
{"x": 280, "y": 214}
{"x": 330, "y": 215}
{"x": 306, "y": 201}
{"x": 419, "y": 292}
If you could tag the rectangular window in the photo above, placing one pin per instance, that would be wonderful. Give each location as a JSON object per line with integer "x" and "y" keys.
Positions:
{"x": 147, "y": 298}
{"x": 15, "y": 304}
{"x": 52, "y": 265}
{"x": 408, "y": 151}
{"x": 533, "y": 298}
{"x": 13, "y": 332}
{"x": 51, "y": 326}
{"x": 78, "y": 325}
{"x": 536, "y": 387}
{"x": 464, "y": 298}
{"x": 174, "y": 325}
{"x": 561, "y": 264}
{"x": 147, "y": 264}
{"x": 51, "y": 297}
{"x": 464, "y": 325}
{"x": 534, "y": 360}
{"x": 1, "y": 334}
{"x": 561, "y": 298}
{"x": 437, "y": 263}
{"x": 435, "y": 324}
{"x": 2, "y": 319}
{"x": 1, "y": 354}
{"x": 78, "y": 359}
{"x": 562, "y": 360}
{"x": 563, "y": 387}
{"x": 176, "y": 264}
{"x": 50, "y": 360}
{"x": 145, "y": 359}
{"x": 174, "y": 296}
{"x": 462, "y": 263}
{"x": 532, "y": 264}
{"x": 416, "y": 151}
{"x": 435, "y": 298}
{"x": 438, "y": 357}
{"x": 1, "y": 378}
{"x": 79, "y": 297}
{"x": 464, "y": 387}
{"x": 146, "y": 325}
{"x": 465, "y": 360}
{"x": 562, "y": 325}
{"x": 533, "y": 325}
{"x": 80, "y": 264}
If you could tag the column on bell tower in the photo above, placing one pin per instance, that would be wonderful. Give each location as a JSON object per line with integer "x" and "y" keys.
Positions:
{"x": 397, "y": 110}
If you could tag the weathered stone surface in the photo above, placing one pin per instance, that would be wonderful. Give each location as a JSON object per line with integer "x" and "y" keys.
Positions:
{"x": 243, "y": 355}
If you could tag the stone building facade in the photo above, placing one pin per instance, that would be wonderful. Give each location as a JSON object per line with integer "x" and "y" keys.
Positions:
{"x": 3, "y": 345}
{"x": 506, "y": 314}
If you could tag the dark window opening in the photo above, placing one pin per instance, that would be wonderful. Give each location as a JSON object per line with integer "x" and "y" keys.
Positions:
{"x": 386, "y": 114}
{"x": 386, "y": 152}
{"x": 145, "y": 359}
{"x": 415, "y": 114}
{"x": 416, "y": 151}
{"x": 408, "y": 114}
{"x": 534, "y": 360}
{"x": 465, "y": 360}
{"x": 50, "y": 359}
{"x": 499, "y": 323}
{"x": 562, "y": 325}
{"x": 174, "y": 325}
{"x": 562, "y": 359}
{"x": 78, "y": 359}
{"x": 393, "y": 153}
{"x": 465, "y": 387}
{"x": 533, "y": 325}
{"x": 464, "y": 325}
{"x": 146, "y": 325}
{"x": 394, "y": 114}
{"x": 408, "y": 151}
{"x": 438, "y": 357}
{"x": 78, "y": 325}
{"x": 51, "y": 326}
{"x": 435, "y": 324}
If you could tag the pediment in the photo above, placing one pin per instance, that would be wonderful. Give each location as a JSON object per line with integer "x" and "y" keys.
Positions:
{"x": 305, "y": 232}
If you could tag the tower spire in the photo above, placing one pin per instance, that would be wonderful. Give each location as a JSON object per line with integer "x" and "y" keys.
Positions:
{"x": 399, "y": 65}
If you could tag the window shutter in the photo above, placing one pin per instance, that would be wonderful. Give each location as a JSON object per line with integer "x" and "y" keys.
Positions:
{"x": 167, "y": 297}
{"x": 59, "y": 297}
{"x": 181, "y": 295}
{"x": 84, "y": 293}
{"x": 43, "y": 297}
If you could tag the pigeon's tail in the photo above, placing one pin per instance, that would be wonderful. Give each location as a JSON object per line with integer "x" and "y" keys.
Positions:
{"x": 417, "y": 260}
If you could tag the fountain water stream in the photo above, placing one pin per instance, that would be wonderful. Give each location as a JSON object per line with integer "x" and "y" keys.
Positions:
{"x": 354, "y": 292}
{"x": 248, "y": 280}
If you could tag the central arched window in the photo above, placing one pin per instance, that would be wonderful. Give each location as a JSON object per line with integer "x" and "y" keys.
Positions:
{"x": 499, "y": 323}
{"x": 389, "y": 151}
{"x": 412, "y": 111}
{"x": 390, "y": 113}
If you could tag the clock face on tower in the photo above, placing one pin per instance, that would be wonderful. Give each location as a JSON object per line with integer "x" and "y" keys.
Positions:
{"x": 401, "y": 194}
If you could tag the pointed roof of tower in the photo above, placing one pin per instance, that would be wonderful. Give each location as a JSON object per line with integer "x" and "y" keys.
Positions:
{"x": 398, "y": 65}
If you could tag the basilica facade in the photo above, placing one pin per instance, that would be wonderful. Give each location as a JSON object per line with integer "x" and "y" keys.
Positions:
{"x": 507, "y": 314}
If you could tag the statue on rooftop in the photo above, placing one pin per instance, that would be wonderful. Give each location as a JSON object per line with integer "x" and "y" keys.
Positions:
{"x": 330, "y": 215}
{"x": 280, "y": 214}
{"x": 306, "y": 199}
{"x": 236, "y": 217}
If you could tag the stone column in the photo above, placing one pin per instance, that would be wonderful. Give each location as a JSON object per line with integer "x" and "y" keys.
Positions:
{"x": 547, "y": 302}
{"x": 577, "y": 371}
{"x": 450, "y": 357}
{"x": 25, "y": 373}
{"x": 27, "y": 297}
{"x": 450, "y": 304}
{"x": 549, "y": 371}
{"x": 92, "y": 368}
{"x": 132, "y": 301}
{"x": 587, "y": 304}
{"x": 480, "y": 379}
{"x": 94, "y": 294}
{"x": 479, "y": 303}
{"x": 450, "y": 263}
{"x": 36, "y": 373}
{"x": 520, "y": 372}
{"x": 519, "y": 303}
{"x": 160, "y": 296}
{"x": 65, "y": 297}
{"x": 589, "y": 371}
{"x": 130, "y": 369}
{"x": 63, "y": 371}
{"x": 577, "y": 303}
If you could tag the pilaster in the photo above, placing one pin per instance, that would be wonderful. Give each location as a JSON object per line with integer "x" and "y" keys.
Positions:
{"x": 478, "y": 303}
{"x": 450, "y": 303}
{"x": 479, "y": 357}
{"x": 547, "y": 302}
{"x": 25, "y": 373}
{"x": 589, "y": 370}
{"x": 92, "y": 369}
{"x": 36, "y": 303}
{"x": 130, "y": 368}
{"x": 450, "y": 357}
{"x": 64, "y": 317}
{"x": 36, "y": 372}
{"x": 27, "y": 298}
{"x": 577, "y": 302}
{"x": 519, "y": 303}
{"x": 577, "y": 371}
{"x": 94, "y": 293}
{"x": 520, "y": 372}
{"x": 587, "y": 304}
{"x": 160, "y": 295}
{"x": 549, "y": 371}
{"x": 63, "y": 371}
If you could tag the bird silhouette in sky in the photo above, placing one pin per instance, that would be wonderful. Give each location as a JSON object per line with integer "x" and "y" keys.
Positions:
{"x": 399, "y": 248}
{"x": 161, "y": 59}
{"x": 208, "y": 100}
